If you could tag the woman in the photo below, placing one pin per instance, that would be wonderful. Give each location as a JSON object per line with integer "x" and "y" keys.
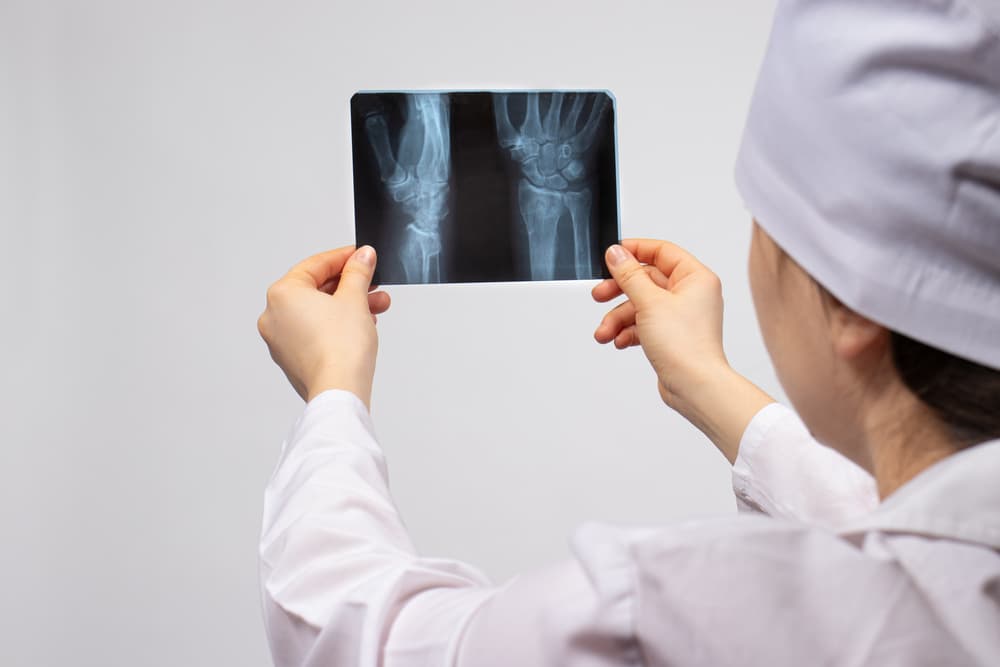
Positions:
{"x": 871, "y": 162}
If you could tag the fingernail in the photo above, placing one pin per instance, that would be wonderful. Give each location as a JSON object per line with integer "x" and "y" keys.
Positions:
{"x": 365, "y": 255}
{"x": 616, "y": 255}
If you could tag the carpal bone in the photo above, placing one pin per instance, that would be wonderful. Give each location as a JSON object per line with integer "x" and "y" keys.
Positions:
{"x": 553, "y": 155}
{"x": 417, "y": 178}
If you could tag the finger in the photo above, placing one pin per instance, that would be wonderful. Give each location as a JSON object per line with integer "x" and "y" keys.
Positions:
{"x": 608, "y": 289}
{"x": 317, "y": 270}
{"x": 552, "y": 116}
{"x": 627, "y": 337}
{"x": 505, "y": 129}
{"x": 585, "y": 138}
{"x": 378, "y": 302}
{"x": 631, "y": 276}
{"x": 532, "y": 121}
{"x": 330, "y": 286}
{"x": 569, "y": 129}
{"x": 617, "y": 319}
{"x": 378, "y": 136}
{"x": 672, "y": 260}
{"x": 356, "y": 277}
{"x": 657, "y": 276}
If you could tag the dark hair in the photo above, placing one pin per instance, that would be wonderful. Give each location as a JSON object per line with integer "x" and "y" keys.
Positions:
{"x": 964, "y": 395}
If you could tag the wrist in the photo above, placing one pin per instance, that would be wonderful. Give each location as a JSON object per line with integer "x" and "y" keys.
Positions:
{"x": 325, "y": 383}
{"x": 720, "y": 403}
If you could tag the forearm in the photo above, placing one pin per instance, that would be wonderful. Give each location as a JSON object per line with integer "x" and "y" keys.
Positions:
{"x": 778, "y": 468}
{"x": 720, "y": 403}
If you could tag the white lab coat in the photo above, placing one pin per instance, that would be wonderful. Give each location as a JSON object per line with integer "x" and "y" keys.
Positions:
{"x": 830, "y": 577}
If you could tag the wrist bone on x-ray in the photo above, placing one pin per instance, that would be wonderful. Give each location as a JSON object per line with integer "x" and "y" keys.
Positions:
{"x": 464, "y": 187}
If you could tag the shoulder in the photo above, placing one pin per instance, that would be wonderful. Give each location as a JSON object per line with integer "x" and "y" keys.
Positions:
{"x": 743, "y": 560}
{"x": 751, "y": 589}
{"x": 710, "y": 537}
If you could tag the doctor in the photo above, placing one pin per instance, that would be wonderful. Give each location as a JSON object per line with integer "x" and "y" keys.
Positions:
{"x": 871, "y": 164}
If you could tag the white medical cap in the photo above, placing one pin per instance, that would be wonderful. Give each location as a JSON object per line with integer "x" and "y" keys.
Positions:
{"x": 872, "y": 156}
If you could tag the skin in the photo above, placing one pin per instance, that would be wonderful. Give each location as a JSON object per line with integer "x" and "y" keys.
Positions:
{"x": 861, "y": 407}
{"x": 319, "y": 323}
{"x": 834, "y": 364}
{"x": 674, "y": 311}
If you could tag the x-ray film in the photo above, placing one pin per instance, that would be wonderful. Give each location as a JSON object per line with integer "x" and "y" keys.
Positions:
{"x": 485, "y": 186}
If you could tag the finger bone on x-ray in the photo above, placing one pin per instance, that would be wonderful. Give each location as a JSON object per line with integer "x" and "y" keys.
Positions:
{"x": 473, "y": 186}
{"x": 553, "y": 155}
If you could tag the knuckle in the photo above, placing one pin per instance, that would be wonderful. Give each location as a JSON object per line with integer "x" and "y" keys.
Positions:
{"x": 274, "y": 292}
{"x": 635, "y": 282}
{"x": 357, "y": 269}
{"x": 632, "y": 273}
{"x": 620, "y": 314}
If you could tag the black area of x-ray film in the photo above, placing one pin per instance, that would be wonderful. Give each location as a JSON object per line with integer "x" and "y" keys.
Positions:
{"x": 485, "y": 186}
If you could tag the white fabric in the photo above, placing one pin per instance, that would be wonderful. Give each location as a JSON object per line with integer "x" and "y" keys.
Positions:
{"x": 914, "y": 581}
{"x": 871, "y": 154}
{"x": 813, "y": 483}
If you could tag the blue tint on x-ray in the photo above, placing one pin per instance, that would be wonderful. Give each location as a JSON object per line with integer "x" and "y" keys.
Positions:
{"x": 417, "y": 178}
{"x": 554, "y": 154}
{"x": 469, "y": 186}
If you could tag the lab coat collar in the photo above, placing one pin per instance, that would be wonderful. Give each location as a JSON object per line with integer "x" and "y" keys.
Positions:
{"x": 957, "y": 498}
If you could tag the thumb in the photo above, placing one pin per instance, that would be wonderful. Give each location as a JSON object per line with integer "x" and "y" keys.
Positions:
{"x": 631, "y": 276}
{"x": 356, "y": 277}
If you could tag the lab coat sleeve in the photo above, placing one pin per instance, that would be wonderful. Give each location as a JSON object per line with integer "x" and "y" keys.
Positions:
{"x": 579, "y": 612}
{"x": 337, "y": 566}
{"x": 342, "y": 585}
{"x": 782, "y": 471}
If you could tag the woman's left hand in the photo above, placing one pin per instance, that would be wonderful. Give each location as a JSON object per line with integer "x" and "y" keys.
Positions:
{"x": 319, "y": 323}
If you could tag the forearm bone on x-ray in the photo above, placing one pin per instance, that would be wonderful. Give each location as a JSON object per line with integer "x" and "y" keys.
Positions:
{"x": 552, "y": 154}
{"x": 417, "y": 179}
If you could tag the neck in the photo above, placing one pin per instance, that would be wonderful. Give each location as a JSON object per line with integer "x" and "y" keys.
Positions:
{"x": 900, "y": 449}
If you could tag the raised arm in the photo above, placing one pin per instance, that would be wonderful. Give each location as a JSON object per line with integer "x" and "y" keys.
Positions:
{"x": 673, "y": 310}
{"x": 342, "y": 585}
{"x": 338, "y": 570}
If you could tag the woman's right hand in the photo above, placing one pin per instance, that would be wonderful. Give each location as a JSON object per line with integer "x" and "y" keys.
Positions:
{"x": 674, "y": 311}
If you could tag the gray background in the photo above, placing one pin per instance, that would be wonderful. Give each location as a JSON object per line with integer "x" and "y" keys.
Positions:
{"x": 162, "y": 163}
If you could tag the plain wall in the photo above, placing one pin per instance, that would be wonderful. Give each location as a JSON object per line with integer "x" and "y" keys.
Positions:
{"x": 162, "y": 163}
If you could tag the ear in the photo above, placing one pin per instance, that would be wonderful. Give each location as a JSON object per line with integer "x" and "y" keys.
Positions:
{"x": 854, "y": 335}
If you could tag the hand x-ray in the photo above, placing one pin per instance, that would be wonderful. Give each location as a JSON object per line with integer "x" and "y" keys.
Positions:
{"x": 485, "y": 186}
